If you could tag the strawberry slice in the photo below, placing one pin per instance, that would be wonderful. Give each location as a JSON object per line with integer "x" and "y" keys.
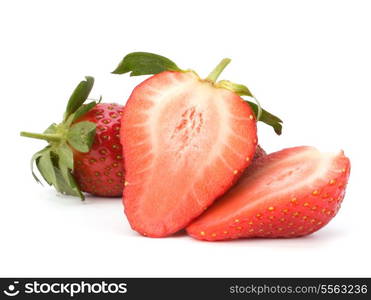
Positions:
{"x": 290, "y": 193}
{"x": 186, "y": 142}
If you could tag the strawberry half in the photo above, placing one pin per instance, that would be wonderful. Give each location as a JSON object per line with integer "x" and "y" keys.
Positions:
{"x": 290, "y": 193}
{"x": 84, "y": 153}
{"x": 186, "y": 141}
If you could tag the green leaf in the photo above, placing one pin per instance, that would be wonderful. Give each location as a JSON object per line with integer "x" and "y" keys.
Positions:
{"x": 79, "y": 95}
{"x": 52, "y": 129}
{"x": 268, "y": 118}
{"x": 55, "y": 165}
{"x": 144, "y": 63}
{"x": 67, "y": 187}
{"x": 65, "y": 155}
{"x": 82, "y": 110}
{"x": 34, "y": 158}
{"x": 81, "y": 136}
{"x": 65, "y": 163}
{"x": 45, "y": 165}
{"x": 66, "y": 183}
{"x": 239, "y": 89}
{"x": 75, "y": 187}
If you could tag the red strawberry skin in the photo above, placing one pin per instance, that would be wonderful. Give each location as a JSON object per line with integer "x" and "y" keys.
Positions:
{"x": 100, "y": 171}
{"x": 185, "y": 143}
{"x": 290, "y": 193}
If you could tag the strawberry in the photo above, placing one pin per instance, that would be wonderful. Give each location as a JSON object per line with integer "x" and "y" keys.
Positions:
{"x": 186, "y": 141}
{"x": 290, "y": 193}
{"x": 100, "y": 171}
{"x": 84, "y": 153}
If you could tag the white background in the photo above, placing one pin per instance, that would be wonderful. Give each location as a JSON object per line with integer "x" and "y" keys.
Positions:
{"x": 309, "y": 62}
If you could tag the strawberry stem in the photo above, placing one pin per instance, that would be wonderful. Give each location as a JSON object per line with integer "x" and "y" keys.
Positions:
{"x": 213, "y": 76}
{"x": 42, "y": 136}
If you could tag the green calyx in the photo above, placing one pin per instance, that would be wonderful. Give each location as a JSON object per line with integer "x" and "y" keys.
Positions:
{"x": 55, "y": 161}
{"x": 145, "y": 63}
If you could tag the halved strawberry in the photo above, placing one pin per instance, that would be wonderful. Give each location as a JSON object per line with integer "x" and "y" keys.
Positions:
{"x": 185, "y": 144}
{"x": 186, "y": 141}
{"x": 290, "y": 193}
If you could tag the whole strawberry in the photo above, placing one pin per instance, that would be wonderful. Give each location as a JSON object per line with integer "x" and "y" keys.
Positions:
{"x": 84, "y": 153}
{"x": 100, "y": 171}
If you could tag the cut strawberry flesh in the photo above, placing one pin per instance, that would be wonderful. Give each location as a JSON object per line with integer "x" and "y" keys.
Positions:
{"x": 289, "y": 193}
{"x": 185, "y": 143}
